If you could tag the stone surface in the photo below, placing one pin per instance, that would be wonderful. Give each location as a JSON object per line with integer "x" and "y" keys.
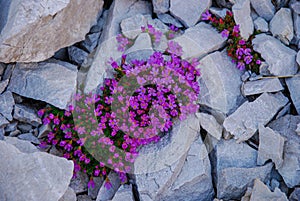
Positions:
{"x": 289, "y": 170}
{"x": 222, "y": 92}
{"x": 295, "y": 196}
{"x": 3, "y": 121}
{"x": 53, "y": 82}
{"x": 241, "y": 13}
{"x": 296, "y": 19}
{"x": 295, "y": 6}
{"x": 271, "y": 145}
{"x": 3, "y": 85}
{"x": 176, "y": 168}
{"x": 44, "y": 130}
{"x": 26, "y": 115}
{"x": 90, "y": 42}
{"x": 22, "y": 145}
{"x": 293, "y": 85}
{"x": 282, "y": 31}
{"x": 69, "y": 195}
{"x": 124, "y": 193}
{"x": 261, "y": 86}
{"x": 161, "y": 6}
{"x": 79, "y": 184}
{"x": 6, "y": 105}
{"x": 298, "y": 58}
{"x": 29, "y": 137}
{"x": 84, "y": 198}
{"x": 93, "y": 192}
{"x": 261, "y": 192}
{"x": 107, "y": 47}
{"x": 244, "y": 122}
{"x": 168, "y": 19}
{"x": 35, "y": 176}
{"x": 189, "y": 13}
{"x": 218, "y": 11}
{"x": 281, "y": 59}
{"x": 77, "y": 55}
{"x": 33, "y": 31}
{"x": 235, "y": 169}
{"x": 131, "y": 27}
{"x": 107, "y": 194}
{"x": 141, "y": 49}
{"x": 210, "y": 124}
{"x": 261, "y": 24}
{"x": 298, "y": 129}
{"x": 264, "y": 8}
{"x": 2, "y": 132}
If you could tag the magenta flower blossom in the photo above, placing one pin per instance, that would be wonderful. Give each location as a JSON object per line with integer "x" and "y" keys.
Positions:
{"x": 91, "y": 183}
{"x": 242, "y": 42}
{"x": 248, "y": 59}
{"x": 225, "y": 33}
{"x": 241, "y": 65}
{"x": 258, "y": 62}
{"x": 239, "y": 51}
{"x": 174, "y": 48}
{"x": 107, "y": 185}
{"x": 41, "y": 112}
{"x": 236, "y": 28}
{"x": 206, "y": 16}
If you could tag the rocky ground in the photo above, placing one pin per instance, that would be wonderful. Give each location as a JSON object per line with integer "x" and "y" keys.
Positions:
{"x": 244, "y": 144}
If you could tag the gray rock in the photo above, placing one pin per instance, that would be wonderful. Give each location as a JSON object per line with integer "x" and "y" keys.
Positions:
{"x": 235, "y": 169}
{"x": 80, "y": 183}
{"x": 210, "y": 124}
{"x": 8, "y": 71}
{"x": 241, "y": 13}
{"x": 90, "y": 42}
{"x": 298, "y": 58}
{"x": 161, "y": 6}
{"x": 220, "y": 12}
{"x": 2, "y": 68}
{"x": 93, "y": 192}
{"x": 107, "y": 47}
{"x": 3, "y": 85}
{"x": 281, "y": 59}
{"x": 285, "y": 110}
{"x": 105, "y": 194}
{"x": 44, "y": 130}
{"x": 296, "y": 19}
{"x": 283, "y": 31}
{"x": 222, "y": 92}
{"x": 281, "y": 3}
{"x": 22, "y": 145}
{"x": 168, "y": 19}
{"x": 264, "y": 8}
{"x": 178, "y": 170}
{"x": 77, "y": 55}
{"x": 289, "y": 170}
{"x": 189, "y": 13}
{"x": 261, "y": 86}
{"x": 296, "y": 7}
{"x": 295, "y": 196}
{"x": 46, "y": 176}
{"x": 11, "y": 127}
{"x": 25, "y": 128}
{"x": 62, "y": 54}
{"x": 271, "y": 145}
{"x": 84, "y": 198}
{"x": 199, "y": 41}
{"x": 244, "y": 122}
{"x": 293, "y": 86}
{"x": 3, "y": 121}
{"x": 2, "y": 132}
{"x": 26, "y": 115}
{"x": 53, "y": 82}
{"x": 131, "y": 27}
{"x": 262, "y": 192}
{"x": 14, "y": 133}
{"x": 29, "y": 137}
{"x": 69, "y": 195}
{"x": 124, "y": 193}
{"x": 261, "y": 24}
{"x": 33, "y": 31}
{"x": 6, "y": 105}
{"x": 298, "y": 129}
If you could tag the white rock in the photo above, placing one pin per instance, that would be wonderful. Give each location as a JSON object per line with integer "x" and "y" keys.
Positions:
{"x": 241, "y": 13}
{"x": 161, "y": 6}
{"x": 261, "y": 86}
{"x": 69, "y": 195}
{"x": 210, "y": 124}
{"x": 23, "y": 146}
{"x": 264, "y": 8}
{"x": 261, "y": 24}
{"x": 131, "y": 27}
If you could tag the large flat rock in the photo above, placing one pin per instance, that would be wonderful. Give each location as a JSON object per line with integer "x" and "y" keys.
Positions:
{"x": 293, "y": 85}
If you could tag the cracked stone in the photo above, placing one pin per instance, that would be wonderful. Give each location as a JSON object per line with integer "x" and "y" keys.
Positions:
{"x": 3, "y": 85}
{"x": 90, "y": 42}
{"x": 69, "y": 195}
{"x": 79, "y": 184}
{"x": 6, "y": 105}
{"x": 295, "y": 195}
{"x": 264, "y": 8}
{"x": 131, "y": 27}
{"x": 168, "y": 19}
{"x": 261, "y": 24}
{"x": 3, "y": 121}
{"x": 261, "y": 86}
{"x": 210, "y": 124}
{"x": 124, "y": 193}
{"x": 161, "y": 6}
{"x": 26, "y": 115}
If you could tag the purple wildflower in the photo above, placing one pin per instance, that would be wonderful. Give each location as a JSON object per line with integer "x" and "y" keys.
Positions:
{"x": 241, "y": 65}
{"x": 225, "y": 33}
{"x": 206, "y": 16}
{"x": 248, "y": 59}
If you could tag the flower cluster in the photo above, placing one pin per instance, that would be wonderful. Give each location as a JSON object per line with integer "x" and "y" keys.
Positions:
{"x": 123, "y": 42}
{"x": 239, "y": 50}
{"x": 104, "y": 132}
{"x": 155, "y": 34}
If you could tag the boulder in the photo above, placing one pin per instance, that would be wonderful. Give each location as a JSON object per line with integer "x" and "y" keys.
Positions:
{"x": 244, "y": 122}
{"x": 161, "y": 6}
{"x": 281, "y": 59}
{"x": 22, "y": 145}
{"x": 26, "y": 115}
{"x": 51, "y": 81}
{"x": 32, "y": 31}
{"x": 189, "y": 13}
{"x": 77, "y": 55}
{"x": 32, "y": 176}
{"x": 131, "y": 27}
{"x": 260, "y": 24}
{"x": 210, "y": 124}
{"x": 69, "y": 195}
{"x": 283, "y": 31}
{"x": 6, "y": 105}
{"x": 261, "y": 86}
{"x": 264, "y": 8}
{"x": 293, "y": 85}
{"x": 241, "y": 13}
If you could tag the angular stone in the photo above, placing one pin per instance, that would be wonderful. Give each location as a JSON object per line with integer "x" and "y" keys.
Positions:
{"x": 124, "y": 193}
{"x": 264, "y": 8}
{"x": 3, "y": 121}
{"x": 210, "y": 124}
{"x": 189, "y": 13}
{"x": 131, "y": 27}
{"x": 168, "y": 19}
{"x": 11, "y": 127}
{"x": 298, "y": 129}
{"x": 29, "y": 137}
{"x": 24, "y": 127}
{"x": 218, "y": 11}
{"x": 26, "y": 115}
{"x": 33, "y": 31}
{"x": 244, "y": 122}
{"x": 2, "y": 132}
{"x": 107, "y": 47}
{"x": 271, "y": 145}
{"x": 281, "y": 59}
{"x": 84, "y": 198}
{"x": 93, "y": 192}
{"x": 22, "y": 145}
{"x": 283, "y": 31}
{"x": 79, "y": 184}
{"x": 44, "y": 130}
{"x": 2, "y": 68}
{"x": 261, "y": 86}
{"x": 241, "y": 13}
{"x": 161, "y": 6}
{"x": 46, "y": 176}
{"x": 90, "y": 42}
{"x": 298, "y": 58}
{"x": 3, "y": 85}
{"x": 261, "y": 24}
{"x": 262, "y": 192}
{"x": 107, "y": 194}
{"x": 77, "y": 55}
{"x": 222, "y": 92}
{"x": 289, "y": 170}
{"x": 53, "y": 82}
{"x": 6, "y": 105}
{"x": 295, "y": 195}
{"x": 293, "y": 86}
{"x": 69, "y": 195}
{"x": 296, "y": 7}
